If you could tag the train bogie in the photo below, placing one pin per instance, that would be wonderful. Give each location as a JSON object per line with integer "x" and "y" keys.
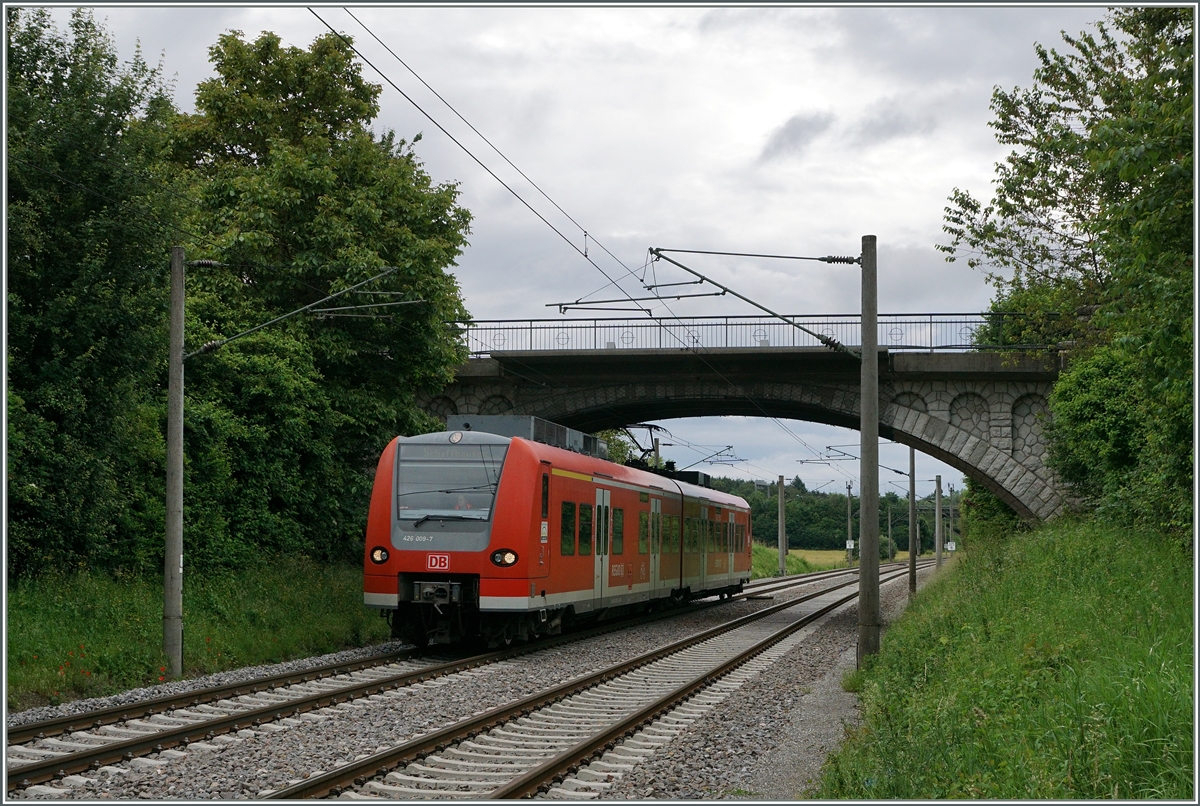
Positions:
{"x": 476, "y": 536}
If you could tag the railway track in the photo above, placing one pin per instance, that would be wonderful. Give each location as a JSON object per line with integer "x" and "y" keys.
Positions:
{"x": 570, "y": 740}
{"x": 57, "y": 748}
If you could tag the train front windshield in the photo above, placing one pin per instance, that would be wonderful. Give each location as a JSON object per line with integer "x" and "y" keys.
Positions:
{"x": 456, "y": 481}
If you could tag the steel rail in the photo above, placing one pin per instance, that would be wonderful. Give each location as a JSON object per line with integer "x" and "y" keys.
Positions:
{"x": 381, "y": 762}
{"x": 107, "y": 716}
{"x": 536, "y": 779}
{"x": 23, "y": 775}
{"x": 30, "y": 731}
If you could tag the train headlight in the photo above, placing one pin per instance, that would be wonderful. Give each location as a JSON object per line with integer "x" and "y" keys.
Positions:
{"x": 379, "y": 555}
{"x": 504, "y": 557}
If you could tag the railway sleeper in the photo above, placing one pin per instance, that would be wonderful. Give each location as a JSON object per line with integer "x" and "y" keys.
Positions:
{"x": 583, "y": 785}
{"x": 496, "y": 765}
{"x": 500, "y": 736}
{"x": 406, "y": 791}
{"x": 438, "y": 784}
{"x": 450, "y": 772}
{"x": 559, "y": 793}
{"x": 476, "y": 750}
{"x": 31, "y": 754}
{"x": 70, "y": 746}
{"x": 96, "y": 737}
{"x": 605, "y": 764}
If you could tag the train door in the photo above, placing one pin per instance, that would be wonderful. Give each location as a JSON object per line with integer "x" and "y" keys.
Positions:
{"x": 655, "y": 544}
{"x": 543, "y": 566}
{"x": 603, "y": 531}
{"x": 730, "y": 546}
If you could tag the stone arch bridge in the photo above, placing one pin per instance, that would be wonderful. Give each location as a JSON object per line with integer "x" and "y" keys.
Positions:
{"x": 979, "y": 412}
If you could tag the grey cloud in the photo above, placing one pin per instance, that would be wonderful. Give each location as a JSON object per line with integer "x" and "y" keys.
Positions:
{"x": 723, "y": 20}
{"x": 893, "y": 120}
{"x": 793, "y": 137}
{"x": 953, "y": 45}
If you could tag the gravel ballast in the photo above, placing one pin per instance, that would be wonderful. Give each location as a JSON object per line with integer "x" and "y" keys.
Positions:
{"x": 270, "y": 757}
{"x": 769, "y": 740}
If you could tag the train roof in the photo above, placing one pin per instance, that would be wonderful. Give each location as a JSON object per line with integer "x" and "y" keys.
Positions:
{"x": 569, "y": 460}
{"x": 464, "y": 438}
{"x": 579, "y": 462}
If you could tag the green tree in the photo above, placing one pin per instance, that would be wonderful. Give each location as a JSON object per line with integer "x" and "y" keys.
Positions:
{"x": 300, "y": 199}
{"x": 1092, "y": 221}
{"x": 620, "y": 446}
{"x": 88, "y": 225}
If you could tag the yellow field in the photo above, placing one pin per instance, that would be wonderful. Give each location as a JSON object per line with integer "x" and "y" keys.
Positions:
{"x": 825, "y": 558}
{"x": 831, "y": 558}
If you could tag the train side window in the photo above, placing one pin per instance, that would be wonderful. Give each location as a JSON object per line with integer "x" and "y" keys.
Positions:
{"x": 689, "y": 533}
{"x": 674, "y": 534}
{"x": 545, "y": 496}
{"x": 567, "y": 547}
{"x": 643, "y": 532}
{"x": 602, "y": 516}
{"x": 585, "y": 530}
{"x": 618, "y": 541}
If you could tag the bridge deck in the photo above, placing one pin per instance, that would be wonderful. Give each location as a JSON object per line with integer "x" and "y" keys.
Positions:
{"x": 757, "y": 363}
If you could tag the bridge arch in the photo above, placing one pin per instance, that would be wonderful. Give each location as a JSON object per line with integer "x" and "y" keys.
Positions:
{"x": 976, "y": 412}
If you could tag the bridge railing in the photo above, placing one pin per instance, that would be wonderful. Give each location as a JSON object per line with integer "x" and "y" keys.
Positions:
{"x": 927, "y": 332}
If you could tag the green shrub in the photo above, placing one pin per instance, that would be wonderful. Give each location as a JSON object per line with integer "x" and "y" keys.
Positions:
{"x": 764, "y": 562}
{"x": 1054, "y": 665}
{"x": 89, "y": 634}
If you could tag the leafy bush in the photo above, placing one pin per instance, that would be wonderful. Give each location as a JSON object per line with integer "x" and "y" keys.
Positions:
{"x": 83, "y": 633}
{"x": 1057, "y": 664}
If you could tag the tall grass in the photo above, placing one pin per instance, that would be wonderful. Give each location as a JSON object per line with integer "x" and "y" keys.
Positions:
{"x": 88, "y": 634}
{"x": 764, "y": 562}
{"x": 1057, "y": 664}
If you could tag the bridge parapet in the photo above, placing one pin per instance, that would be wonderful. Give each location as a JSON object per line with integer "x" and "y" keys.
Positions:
{"x": 936, "y": 332}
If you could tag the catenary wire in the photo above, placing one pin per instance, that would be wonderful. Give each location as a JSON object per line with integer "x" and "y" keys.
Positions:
{"x": 471, "y": 154}
{"x": 536, "y": 213}
{"x": 503, "y": 156}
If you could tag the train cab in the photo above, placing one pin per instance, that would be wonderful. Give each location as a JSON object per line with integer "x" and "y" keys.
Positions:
{"x": 476, "y": 535}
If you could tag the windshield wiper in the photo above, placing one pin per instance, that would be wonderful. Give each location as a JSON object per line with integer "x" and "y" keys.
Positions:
{"x": 491, "y": 487}
{"x": 424, "y": 518}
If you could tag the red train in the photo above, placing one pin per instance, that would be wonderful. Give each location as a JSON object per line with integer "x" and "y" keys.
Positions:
{"x": 477, "y": 536}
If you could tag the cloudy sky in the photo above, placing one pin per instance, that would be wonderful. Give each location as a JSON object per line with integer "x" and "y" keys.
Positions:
{"x": 785, "y": 130}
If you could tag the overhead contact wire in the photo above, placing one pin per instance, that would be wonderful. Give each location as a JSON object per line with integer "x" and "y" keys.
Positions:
{"x": 493, "y": 146}
{"x": 521, "y": 199}
{"x": 471, "y": 154}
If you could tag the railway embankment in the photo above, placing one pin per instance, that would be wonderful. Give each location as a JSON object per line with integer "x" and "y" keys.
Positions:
{"x": 1053, "y": 664}
{"x": 86, "y": 634}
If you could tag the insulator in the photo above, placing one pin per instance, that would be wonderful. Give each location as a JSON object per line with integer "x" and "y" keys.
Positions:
{"x": 838, "y": 259}
{"x": 205, "y": 264}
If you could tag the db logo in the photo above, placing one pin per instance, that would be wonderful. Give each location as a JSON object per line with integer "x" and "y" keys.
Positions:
{"x": 438, "y": 562}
